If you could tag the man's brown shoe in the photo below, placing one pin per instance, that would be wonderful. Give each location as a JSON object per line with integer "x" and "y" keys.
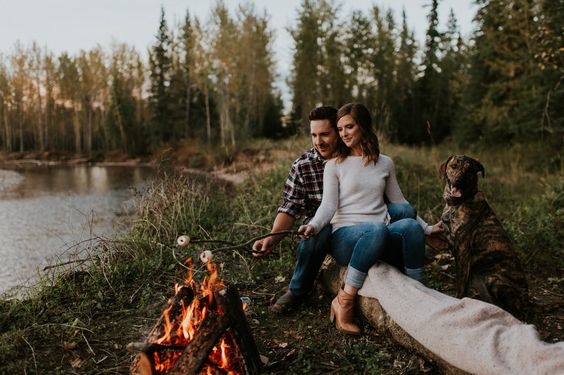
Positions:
{"x": 286, "y": 302}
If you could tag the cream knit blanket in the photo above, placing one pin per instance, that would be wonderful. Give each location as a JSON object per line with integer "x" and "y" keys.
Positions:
{"x": 472, "y": 335}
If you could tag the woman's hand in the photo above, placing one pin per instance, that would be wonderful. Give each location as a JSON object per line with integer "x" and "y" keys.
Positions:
{"x": 437, "y": 228}
{"x": 306, "y": 231}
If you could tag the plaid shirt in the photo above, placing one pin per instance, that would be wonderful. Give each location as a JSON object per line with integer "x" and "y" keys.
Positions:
{"x": 304, "y": 186}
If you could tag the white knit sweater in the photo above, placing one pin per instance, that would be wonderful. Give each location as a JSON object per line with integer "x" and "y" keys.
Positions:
{"x": 353, "y": 193}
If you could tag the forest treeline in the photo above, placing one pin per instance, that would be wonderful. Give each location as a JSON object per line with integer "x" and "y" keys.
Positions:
{"x": 214, "y": 81}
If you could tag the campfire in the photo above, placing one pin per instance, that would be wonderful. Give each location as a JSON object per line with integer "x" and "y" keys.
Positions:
{"x": 202, "y": 331}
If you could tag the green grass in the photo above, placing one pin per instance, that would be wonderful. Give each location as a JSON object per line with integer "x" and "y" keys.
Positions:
{"x": 82, "y": 315}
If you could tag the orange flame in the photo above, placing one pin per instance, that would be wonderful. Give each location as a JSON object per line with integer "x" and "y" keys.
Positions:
{"x": 181, "y": 329}
{"x": 224, "y": 360}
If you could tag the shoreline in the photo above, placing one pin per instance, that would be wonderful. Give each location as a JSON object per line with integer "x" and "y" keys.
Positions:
{"x": 21, "y": 159}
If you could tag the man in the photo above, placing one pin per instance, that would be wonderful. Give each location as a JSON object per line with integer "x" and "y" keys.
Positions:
{"x": 302, "y": 196}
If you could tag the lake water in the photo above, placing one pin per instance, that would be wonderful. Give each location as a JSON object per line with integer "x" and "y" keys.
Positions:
{"x": 46, "y": 211}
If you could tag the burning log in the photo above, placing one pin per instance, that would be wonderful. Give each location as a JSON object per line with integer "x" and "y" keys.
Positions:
{"x": 233, "y": 319}
{"x": 203, "y": 330}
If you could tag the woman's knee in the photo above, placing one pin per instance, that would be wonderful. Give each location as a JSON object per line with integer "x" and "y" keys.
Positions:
{"x": 373, "y": 240}
{"x": 374, "y": 228}
{"x": 400, "y": 211}
{"x": 408, "y": 227}
{"x": 376, "y": 233}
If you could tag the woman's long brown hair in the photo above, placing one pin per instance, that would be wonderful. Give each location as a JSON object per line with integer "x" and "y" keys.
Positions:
{"x": 369, "y": 142}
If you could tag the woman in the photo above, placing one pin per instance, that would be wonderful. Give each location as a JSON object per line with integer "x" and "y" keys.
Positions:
{"x": 356, "y": 184}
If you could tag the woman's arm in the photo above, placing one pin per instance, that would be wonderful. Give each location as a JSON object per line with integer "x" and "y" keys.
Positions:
{"x": 393, "y": 191}
{"x": 330, "y": 199}
{"x": 394, "y": 194}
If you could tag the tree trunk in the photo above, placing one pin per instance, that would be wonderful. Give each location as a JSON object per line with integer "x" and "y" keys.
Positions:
{"x": 7, "y": 130}
{"x": 77, "y": 133}
{"x": 188, "y": 102}
{"x": 40, "y": 123}
{"x": 88, "y": 130}
{"x": 208, "y": 115}
{"x": 20, "y": 127}
{"x": 332, "y": 278}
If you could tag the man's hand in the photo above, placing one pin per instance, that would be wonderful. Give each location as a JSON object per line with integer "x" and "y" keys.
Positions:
{"x": 306, "y": 231}
{"x": 282, "y": 222}
{"x": 263, "y": 247}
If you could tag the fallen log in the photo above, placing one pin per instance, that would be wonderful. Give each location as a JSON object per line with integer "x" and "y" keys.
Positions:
{"x": 463, "y": 336}
{"x": 332, "y": 276}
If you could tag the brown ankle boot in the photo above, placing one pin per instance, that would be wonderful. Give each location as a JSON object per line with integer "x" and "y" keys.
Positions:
{"x": 342, "y": 313}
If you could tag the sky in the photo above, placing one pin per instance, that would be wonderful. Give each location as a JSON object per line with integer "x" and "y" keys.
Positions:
{"x": 72, "y": 25}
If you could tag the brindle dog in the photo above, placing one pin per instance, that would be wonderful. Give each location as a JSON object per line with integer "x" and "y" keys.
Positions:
{"x": 487, "y": 268}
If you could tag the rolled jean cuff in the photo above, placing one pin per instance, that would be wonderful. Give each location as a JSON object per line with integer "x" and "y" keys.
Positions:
{"x": 355, "y": 278}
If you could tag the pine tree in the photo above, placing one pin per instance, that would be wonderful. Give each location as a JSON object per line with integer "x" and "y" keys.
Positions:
{"x": 93, "y": 80}
{"x": 254, "y": 73}
{"x": 122, "y": 131}
{"x": 187, "y": 43}
{"x": 224, "y": 41}
{"x": 202, "y": 76}
{"x": 358, "y": 48}
{"x": 20, "y": 85}
{"x": 382, "y": 93}
{"x": 273, "y": 127}
{"x": 430, "y": 89}
{"x": 453, "y": 77}
{"x": 332, "y": 79}
{"x": 403, "y": 121}
{"x": 501, "y": 77}
{"x": 177, "y": 91}
{"x": 49, "y": 64}
{"x": 304, "y": 78}
{"x": 160, "y": 75}
{"x": 69, "y": 85}
{"x": 549, "y": 61}
{"x": 35, "y": 69}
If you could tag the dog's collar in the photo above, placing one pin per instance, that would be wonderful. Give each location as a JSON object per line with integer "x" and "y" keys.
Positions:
{"x": 455, "y": 201}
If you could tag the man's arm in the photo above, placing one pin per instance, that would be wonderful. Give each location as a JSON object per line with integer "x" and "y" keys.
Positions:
{"x": 283, "y": 221}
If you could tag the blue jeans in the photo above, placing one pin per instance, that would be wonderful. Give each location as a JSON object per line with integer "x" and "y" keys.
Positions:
{"x": 360, "y": 246}
{"x": 310, "y": 256}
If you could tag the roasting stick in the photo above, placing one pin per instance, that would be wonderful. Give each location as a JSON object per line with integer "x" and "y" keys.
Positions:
{"x": 184, "y": 241}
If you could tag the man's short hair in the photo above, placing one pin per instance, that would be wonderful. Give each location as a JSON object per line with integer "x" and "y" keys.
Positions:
{"x": 324, "y": 113}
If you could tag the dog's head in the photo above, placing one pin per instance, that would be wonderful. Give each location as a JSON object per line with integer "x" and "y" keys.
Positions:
{"x": 460, "y": 173}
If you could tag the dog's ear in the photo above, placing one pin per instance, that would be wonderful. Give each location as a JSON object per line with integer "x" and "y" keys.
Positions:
{"x": 442, "y": 168}
{"x": 478, "y": 167}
